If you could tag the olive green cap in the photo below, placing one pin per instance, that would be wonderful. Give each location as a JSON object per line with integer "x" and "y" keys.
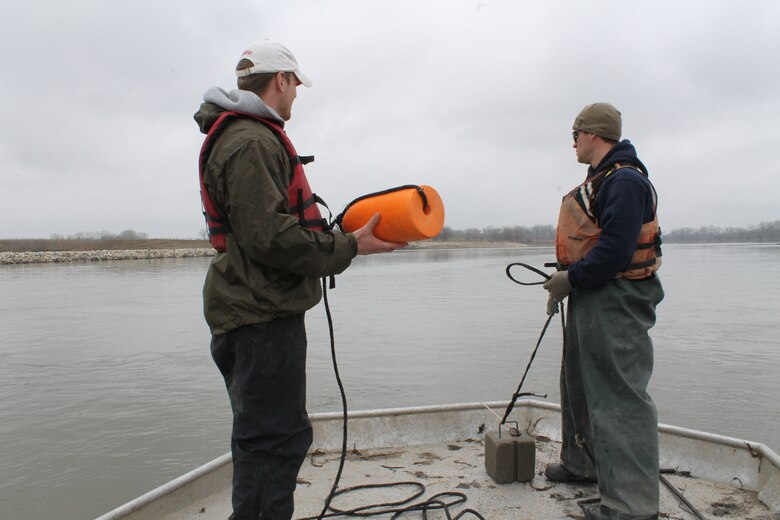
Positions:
{"x": 601, "y": 119}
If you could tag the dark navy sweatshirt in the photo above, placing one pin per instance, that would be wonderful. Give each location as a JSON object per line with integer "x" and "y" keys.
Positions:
{"x": 623, "y": 204}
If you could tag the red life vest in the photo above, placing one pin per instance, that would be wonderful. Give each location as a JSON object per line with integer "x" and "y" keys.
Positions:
{"x": 303, "y": 203}
{"x": 579, "y": 231}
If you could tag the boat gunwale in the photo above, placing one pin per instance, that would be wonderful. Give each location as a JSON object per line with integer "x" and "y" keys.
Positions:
{"x": 167, "y": 488}
{"x": 207, "y": 468}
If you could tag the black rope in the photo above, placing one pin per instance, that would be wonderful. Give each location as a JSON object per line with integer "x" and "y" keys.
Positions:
{"x": 518, "y": 394}
{"x": 431, "y": 504}
{"x": 530, "y": 268}
{"x": 367, "y": 510}
{"x": 441, "y": 501}
{"x": 343, "y": 399}
{"x": 560, "y": 306}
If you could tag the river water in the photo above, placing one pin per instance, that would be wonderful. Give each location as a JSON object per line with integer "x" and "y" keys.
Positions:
{"x": 108, "y": 388}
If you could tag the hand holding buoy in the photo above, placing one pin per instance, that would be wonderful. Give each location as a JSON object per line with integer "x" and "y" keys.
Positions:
{"x": 369, "y": 244}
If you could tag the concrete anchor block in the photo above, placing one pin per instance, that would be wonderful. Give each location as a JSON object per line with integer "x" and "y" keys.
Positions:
{"x": 510, "y": 458}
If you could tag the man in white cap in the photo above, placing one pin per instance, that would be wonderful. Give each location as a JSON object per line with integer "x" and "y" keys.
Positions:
{"x": 272, "y": 249}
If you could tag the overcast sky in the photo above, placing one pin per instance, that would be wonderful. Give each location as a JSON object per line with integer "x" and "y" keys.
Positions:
{"x": 475, "y": 98}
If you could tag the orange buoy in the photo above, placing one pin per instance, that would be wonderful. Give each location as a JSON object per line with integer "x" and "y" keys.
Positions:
{"x": 409, "y": 213}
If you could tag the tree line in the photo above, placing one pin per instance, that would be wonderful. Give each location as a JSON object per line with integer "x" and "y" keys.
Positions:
{"x": 539, "y": 234}
{"x": 763, "y": 232}
{"x": 545, "y": 234}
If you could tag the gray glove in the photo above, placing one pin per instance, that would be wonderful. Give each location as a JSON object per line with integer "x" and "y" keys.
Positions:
{"x": 558, "y": 285}
{"x": 552, "y": 306}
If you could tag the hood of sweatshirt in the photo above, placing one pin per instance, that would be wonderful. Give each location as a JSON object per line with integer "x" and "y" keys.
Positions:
{"x": 217, "y": 100}
{"x": 623, "y": 152}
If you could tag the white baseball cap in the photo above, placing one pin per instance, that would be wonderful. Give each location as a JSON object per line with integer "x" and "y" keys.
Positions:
{"x": 271, "y": 56}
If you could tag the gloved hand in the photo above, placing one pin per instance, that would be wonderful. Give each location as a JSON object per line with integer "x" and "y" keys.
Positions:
{"x": 558, "y": 285}
{"x": 552, "y": 306}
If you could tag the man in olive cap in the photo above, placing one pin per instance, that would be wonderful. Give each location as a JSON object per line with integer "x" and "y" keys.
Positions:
{"x": 272, "y": 249}
{"x": 608, "y": 251}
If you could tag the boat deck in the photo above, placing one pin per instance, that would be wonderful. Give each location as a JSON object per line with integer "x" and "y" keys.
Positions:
{"x": 452, "y": 460}
{"x": 459, "y": 467}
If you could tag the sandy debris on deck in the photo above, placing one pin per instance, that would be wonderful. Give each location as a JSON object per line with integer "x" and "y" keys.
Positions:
{"x": 459, "y": 467}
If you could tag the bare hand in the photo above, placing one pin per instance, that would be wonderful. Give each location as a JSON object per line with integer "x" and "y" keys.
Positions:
{"x": 369, "y": 244}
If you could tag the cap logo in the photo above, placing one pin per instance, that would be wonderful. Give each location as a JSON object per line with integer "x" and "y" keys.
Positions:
{"x": 246, "y": 53}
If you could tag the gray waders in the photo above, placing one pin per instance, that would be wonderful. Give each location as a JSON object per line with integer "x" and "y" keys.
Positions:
{"x": 610, "y": 424}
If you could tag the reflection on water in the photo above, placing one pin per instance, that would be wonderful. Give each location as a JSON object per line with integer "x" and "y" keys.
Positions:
{"x": 109, "y": 389}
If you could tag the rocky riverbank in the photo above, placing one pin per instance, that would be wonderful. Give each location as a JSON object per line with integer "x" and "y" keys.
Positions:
{"x": 43, "y": 252}
{"x": 40, "y": 257}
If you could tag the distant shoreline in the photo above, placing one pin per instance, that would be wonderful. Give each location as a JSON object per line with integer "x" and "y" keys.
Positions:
{"x": 61, "y": 251}
{"x": 38, "y": 251}
{"x": 47, "y": 257}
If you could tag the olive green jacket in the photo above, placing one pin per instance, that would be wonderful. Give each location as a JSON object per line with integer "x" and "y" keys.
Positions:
{"x": 272, "y": 266}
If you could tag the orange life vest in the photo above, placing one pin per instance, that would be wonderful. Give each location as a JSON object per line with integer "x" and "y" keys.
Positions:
{"x": 303, "y": 203}
{"x": 579, "y": 231}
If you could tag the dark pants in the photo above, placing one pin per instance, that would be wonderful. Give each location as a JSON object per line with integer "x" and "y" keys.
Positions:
{"x": 264, "y": 367}
{"x": 610, "y": 426}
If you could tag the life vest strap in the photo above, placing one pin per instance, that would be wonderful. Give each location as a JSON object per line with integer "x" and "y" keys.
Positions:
{"x": 301, "y": 159}
{"x": 641, "y": 265}
{"x": 656, "y": 243}
{"x": 315, "y": 223}
{"x": 213, "y": 218}
{"x": 327, "y": 223}
{"x": 220, "y": 230}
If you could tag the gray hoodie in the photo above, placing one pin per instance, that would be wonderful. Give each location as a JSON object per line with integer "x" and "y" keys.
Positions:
{"x": 241, "y": 101}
